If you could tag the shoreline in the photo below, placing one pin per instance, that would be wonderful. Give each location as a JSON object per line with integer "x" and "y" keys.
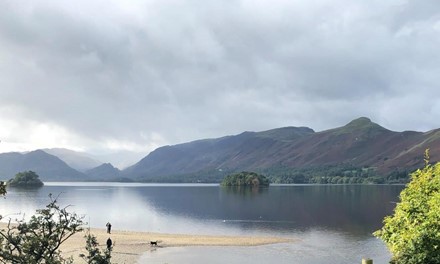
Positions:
{"x": 128, "y": 246}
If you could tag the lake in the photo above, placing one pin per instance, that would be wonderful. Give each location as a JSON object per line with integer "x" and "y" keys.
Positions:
{"x": 332, "y": 223}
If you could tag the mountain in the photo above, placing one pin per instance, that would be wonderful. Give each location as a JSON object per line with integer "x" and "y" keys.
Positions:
{"x": 359, "y": 152}
{"x": 76, "y": 160}
{"x": 104, "y": 172}
{"x": 243, "y": 151}
{"x": 48, "y": 167}
{"x": 121, "y": 158}
{"x": 359, "y": 144}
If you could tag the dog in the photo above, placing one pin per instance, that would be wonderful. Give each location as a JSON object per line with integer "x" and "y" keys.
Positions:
{"x": 153, "y": 243}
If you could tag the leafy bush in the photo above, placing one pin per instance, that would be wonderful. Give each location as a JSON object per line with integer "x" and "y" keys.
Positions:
{"x": 2, "y": 188}
{"x": 95, "y": 255}
{"x": 412, "y": 234}
{"x": 38, "y": 240}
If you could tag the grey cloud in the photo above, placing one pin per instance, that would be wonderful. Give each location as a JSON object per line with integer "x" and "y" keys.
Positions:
{"x": 191, "y": 69}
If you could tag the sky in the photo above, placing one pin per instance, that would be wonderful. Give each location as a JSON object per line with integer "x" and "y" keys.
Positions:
{"x": 111, "y": 76}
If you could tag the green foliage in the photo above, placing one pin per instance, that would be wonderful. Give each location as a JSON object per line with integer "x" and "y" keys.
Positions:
{"x": 2, "y": 188}
{"x": 413, "y": 233}
{"x": 333, "y": 174}
{"x": 204, "y": 176}
{"x": 95, "y": 256}
{"x": 426, "y": 157}
{"x": 245, "y": 179}
{"x": 38, "y": 240}
{"x": 324, "y": 174}
{"x": 25, "y": 179}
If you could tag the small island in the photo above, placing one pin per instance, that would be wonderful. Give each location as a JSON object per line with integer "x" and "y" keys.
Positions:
{"x": 245, "y": 178}
{"x": 26, "y": 179}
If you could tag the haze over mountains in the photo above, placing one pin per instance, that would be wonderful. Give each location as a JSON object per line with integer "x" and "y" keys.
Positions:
{"x": 77, "y": 160}
{"x": 48, "y": 167}
{"x": 360, "y": 144}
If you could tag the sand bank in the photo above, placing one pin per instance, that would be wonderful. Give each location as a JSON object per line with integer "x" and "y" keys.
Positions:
{"x": 130, "y": 245}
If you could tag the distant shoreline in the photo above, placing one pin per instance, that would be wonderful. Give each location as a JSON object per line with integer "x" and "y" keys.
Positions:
{"x": 130, "y": 245}
{"x": 207, "y": 184}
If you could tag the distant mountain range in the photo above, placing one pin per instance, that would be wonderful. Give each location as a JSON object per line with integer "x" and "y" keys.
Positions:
{"x": 48, "y": 167}
{"x": 56, "y": 165}
{"x": 77, "y": 160}
{"x": 359, "y": 144}
{"x": 361, "y": 148}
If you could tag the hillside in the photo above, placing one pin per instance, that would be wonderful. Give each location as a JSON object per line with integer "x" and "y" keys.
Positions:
{"x": 359, "y": 152}
{"x": 76, "y": 160}
{"x": 359, "y": 144}
{"x": 48, "y": 167}
{"x": 244, "y": 151}
{"x": 103, "y": 172}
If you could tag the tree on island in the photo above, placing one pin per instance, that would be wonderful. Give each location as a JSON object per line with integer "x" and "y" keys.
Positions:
{"x": 39, "y": 240}
{"x": 245, "y": 178}
{"x": 25, "y": 179}
{"x": 412, "y": 234}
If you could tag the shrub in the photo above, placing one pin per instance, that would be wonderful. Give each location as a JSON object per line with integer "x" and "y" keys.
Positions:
{"x": 412, "y": 234}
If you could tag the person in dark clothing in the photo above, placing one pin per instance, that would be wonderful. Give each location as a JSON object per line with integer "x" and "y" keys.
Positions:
{"x": 109, "y": 227}
{"x": 109, "y": 244}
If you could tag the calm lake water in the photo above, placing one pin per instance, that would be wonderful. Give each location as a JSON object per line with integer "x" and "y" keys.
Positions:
{"x": 332, "y": 223}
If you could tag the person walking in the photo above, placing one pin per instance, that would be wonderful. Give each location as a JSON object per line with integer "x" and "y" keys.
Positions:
{"x": 109, "y": 227}
{"x": 109, "y": 244}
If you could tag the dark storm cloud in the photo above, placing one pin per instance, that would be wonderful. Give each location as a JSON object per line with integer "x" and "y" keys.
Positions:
{"x": 145, "y": 73}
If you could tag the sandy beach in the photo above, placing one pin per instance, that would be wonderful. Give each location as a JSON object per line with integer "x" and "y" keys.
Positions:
{"x": 128, "y": 246}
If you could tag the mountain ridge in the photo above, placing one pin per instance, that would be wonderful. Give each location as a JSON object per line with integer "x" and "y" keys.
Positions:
{"x": 104, "y": 171}
{"x": 360, "y": 148}
{"x": 76, "y": 160}
{"x": 48, "y": 167}
{"x": 360, "y": 143}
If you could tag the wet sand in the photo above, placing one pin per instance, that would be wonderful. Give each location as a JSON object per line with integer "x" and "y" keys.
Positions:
{"x": 128, "y": 246}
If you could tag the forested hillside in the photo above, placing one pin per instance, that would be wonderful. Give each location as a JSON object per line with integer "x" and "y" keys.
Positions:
{"x": 359, "y": 152}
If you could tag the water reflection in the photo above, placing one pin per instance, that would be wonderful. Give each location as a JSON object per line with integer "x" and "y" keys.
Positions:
{"x": 314, "y": 247}
{"x": 244, "y": 190}
{"x": 356, "y": 210}
{"x": 332, "y": 224}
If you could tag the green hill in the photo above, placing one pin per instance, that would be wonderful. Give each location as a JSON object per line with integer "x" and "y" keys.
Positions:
{"x": 359, "y": 152}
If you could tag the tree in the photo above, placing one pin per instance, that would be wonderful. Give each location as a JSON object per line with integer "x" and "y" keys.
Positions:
{"x": 412, "y": 234}
{"x": 38, "y": 240}
{"x": 25, "y": 179}
{"x": 245, "y": 178}
{"x": 95, "y": 256}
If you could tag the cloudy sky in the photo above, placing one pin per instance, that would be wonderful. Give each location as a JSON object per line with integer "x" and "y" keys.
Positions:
{"x": 109, "y": 75}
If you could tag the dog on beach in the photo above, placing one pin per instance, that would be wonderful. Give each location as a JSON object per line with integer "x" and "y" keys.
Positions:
{"x": 153, "y": 243}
